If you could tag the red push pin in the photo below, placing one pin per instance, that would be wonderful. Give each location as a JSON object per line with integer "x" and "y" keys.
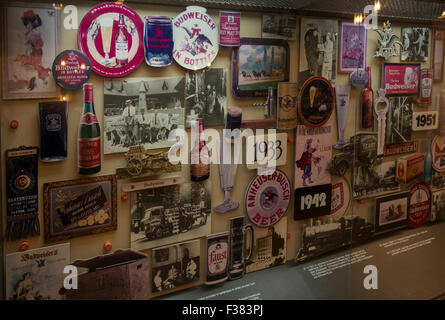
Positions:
{"x": 288, "y": 236}
{"x": 14, "y": 124}
{"x": 124, "y": 197}
{"x": 361, "y": 201}
{"x": 108, "y": 246}
{"x": 290, "y": 139}
{"x": 24, "y": 246}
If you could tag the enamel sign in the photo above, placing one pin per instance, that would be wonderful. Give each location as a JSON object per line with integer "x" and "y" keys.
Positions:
{"x": 195, "y": 37}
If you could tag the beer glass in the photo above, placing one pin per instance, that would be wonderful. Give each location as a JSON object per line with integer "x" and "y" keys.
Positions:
{"x": 312, "y": 92}
{"x": 106, "y": 31}
{"x": 237, "y": 248}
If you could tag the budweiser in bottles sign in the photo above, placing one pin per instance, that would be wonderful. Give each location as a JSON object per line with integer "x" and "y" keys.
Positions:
{"x": 195, "y": 36}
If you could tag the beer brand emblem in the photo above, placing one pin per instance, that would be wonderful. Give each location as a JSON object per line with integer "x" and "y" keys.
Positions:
{"x": 438, "y": 152}
{"x": 53, "y": 122}
{"x": 195, "y": 37}
{"x": 419, "y": 204}
{"x": 217, "y": 258}
{"x": 267, "y": 199}
{"x": 71, "y": 69}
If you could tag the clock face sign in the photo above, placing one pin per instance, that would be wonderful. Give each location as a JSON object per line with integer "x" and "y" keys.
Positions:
{"x": 111, "y": 36}
{"x": 71, "y": 69}
{"x": 419, "y": 204}
{"x": 195, "y": 37}
{"x": 316, "y": 102}
{"x": 267, "y": 199}
{"x": 438, "y": 152}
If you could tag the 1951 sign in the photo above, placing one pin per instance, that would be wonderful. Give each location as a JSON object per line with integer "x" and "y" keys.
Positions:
{"x": 311, "y": 202}
{"x": 426, "y": 120}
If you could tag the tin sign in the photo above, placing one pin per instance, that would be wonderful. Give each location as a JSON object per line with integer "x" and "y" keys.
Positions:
{"x": 426, "y": 87}
{"x": 311, "y": 202}
{"x": 229, "y": 28}
{"x": 341, "y": 197}
{"x": 267, "y": 199}
{"x": 438, "y": 151}
{"x": 217, "y": 258}
{"x": 71, "y": 69}
{"x": 401, "y": 79}
{"x": 426, "y": 120}
{"x": 195, "y": 37}
{"x": 419, "y": 204}
{"x": 111, "y": 36}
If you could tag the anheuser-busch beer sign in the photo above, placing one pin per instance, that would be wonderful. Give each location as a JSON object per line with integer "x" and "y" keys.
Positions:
{"x": 195, "y": 36}
{"x": 401, "y": 79}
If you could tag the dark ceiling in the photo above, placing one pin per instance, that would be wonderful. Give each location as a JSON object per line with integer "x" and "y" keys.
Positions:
{"x": 419, "y": 11}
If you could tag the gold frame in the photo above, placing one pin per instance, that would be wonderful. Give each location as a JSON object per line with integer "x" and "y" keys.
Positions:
{"x": 6, "y": 95}
{"x": 47, "y": 188}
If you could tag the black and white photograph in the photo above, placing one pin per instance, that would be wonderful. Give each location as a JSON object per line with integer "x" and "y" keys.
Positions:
{"x": 438, "y": 206}
{"x": 175, "y": 266}
{"x": 142, "y": 111}
{"x": 392, "y": 211}
{"x": 269, "y": 247}
{"x": 375, "y": 179}
{"x": 165, "y": 215}
{"x": 415, "y": 44}
{"x": 279, "y": 27}
{"x": 399, "y": 120}
{"x": 206, "y": 97}
{"x": 318, "y": 49}
{"x": 438, "y": 179}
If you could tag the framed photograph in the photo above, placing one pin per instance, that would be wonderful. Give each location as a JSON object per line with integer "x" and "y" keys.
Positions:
{"x": 279, "y": 27}
{"x": 206, "y": 97}
{"x": 373, "y": 180}
{"x": 318, "y": 49}
{"x": 392, "y": 212}
{"x": 438, "y": 205}
{"x": 30, "y": 45}
{"x": 258, "y": 64}
{"x": 415, "y": 44}
{"x": 438, "y": 53}
{"x": 401, "y": 79}
{"x": 399, "y": 120}
{"x": 170, "y": 214}
{"x": 79, "y": 207}
{"x": 353, "y": 40}
{"x": 175, "y": 266}
{"x": 142, "y": 111}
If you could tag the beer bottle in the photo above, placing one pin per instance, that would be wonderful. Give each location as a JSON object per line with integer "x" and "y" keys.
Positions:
{"x": 199, "y": 169}
{"x": 367, "y": 103}
{"x": 88, "y": 137}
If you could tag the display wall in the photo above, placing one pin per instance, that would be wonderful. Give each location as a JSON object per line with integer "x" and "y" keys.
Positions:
{"x": 83, "y": 247}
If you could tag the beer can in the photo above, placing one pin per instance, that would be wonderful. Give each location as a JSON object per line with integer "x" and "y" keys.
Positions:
{"x": 217, "y": 258}
{"x": 158, "y": 41}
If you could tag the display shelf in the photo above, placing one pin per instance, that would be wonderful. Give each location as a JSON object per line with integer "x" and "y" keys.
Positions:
{"x": 401, "y": 274}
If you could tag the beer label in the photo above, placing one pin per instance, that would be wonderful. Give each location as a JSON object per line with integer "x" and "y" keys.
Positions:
{"x": 217, "y": 258}
{"x": 88, "y": 152}
{"x": 88, "y": 118}
{"x": 419, "y": 205}
{"x": 121, "y": 50}
{"x": 53, "y": 122}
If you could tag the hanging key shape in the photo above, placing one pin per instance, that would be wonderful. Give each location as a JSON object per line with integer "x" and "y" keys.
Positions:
{"x": 381, "y": 107}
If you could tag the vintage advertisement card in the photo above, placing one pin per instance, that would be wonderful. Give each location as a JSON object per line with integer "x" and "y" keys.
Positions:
{"x": 36, "y": 274}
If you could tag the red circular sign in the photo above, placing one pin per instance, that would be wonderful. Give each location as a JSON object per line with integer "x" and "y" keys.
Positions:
{"x": 267, "y": 199}
{"x": 420, "y": 204}
{"x": 71, "y": 69}
{"x": 111, "y": 35}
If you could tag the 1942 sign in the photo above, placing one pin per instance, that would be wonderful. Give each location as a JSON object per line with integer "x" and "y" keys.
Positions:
{"x": 311, "y": 202}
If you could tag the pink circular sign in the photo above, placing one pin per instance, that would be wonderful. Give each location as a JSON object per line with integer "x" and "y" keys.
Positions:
{"x": 267, "y": 199}
{"x": 111, "y": 36}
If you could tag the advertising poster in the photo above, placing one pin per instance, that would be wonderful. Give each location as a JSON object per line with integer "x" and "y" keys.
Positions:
{"x": 313, "y": 152}
{"x": 401, "y": 79}
{"x": 229, "y": 28}
{"x": 36, "y": 274}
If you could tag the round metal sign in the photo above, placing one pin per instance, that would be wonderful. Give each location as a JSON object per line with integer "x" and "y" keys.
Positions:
{"x": 267, "y": 199}
{"x": 316, "y": 102}
{"x": 71, "y": 69}
{"x": 438, "y": 152}
{"x": 111, "y": 36}
{"x": 419, "y": 204}
{"x": 195, "y": 37}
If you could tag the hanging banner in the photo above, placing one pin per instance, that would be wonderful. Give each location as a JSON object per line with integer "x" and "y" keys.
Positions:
{"x": 195, "y": 37}
{"x": 229, "y": 28}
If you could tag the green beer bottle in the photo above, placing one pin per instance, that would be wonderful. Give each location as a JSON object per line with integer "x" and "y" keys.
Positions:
{"x": 88, "y": 137}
